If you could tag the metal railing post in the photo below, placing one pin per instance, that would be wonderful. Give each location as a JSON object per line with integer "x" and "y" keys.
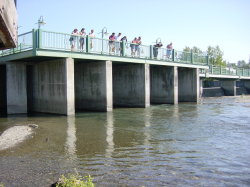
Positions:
{"x": 192, "y": 58}
{"x": 207, "y": 60}
{"x": 39, "y": 38}
{"x": 220, "y": 70}
{"x": 87, "y": 44}
{"x": 151, "y": 52}
{"x": 173, "y": 55}
{"x": 123, "y": 47}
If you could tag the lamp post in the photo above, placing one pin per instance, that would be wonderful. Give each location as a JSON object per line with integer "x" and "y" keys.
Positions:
{"x": 40, "y": 22}
{"x": 104, "y": 32}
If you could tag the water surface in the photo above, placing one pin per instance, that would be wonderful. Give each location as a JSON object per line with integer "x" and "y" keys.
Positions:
{"x": 189, "y": 144}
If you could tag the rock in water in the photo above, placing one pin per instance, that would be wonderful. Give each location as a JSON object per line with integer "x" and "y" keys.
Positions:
{"x": 14, "y": 135}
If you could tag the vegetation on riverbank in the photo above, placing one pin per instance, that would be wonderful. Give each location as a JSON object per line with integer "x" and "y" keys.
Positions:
{"x": 75, "y": 180}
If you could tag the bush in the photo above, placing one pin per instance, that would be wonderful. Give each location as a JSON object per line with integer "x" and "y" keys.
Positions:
{"x": 75, "y": 181}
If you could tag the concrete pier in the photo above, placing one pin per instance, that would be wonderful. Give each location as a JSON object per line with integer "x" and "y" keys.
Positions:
{"x": 16, "y": 88}
{"x": 229, "y": 87}
{"x": 188, "y": 84}
{"x": 163, "y": 84}
{"x": 52, "y": 87}
{"x": 3, "y": 96}
{"x": 131, "y": 85}
{"x": 93, "y": 85}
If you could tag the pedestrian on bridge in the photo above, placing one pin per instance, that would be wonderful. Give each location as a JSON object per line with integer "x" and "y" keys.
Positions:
{"x": 82, "y": 39}
{"x": 73, "y": 39}
{"x": 91, "y": 35}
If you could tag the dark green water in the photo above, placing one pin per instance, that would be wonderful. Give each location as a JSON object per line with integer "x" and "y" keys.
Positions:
{"x": 204, "y": 144}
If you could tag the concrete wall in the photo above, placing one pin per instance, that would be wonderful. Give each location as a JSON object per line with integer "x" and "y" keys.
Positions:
{"x": 229, "y": 87}
{"x": 131, "y": 85}
{"x": 188, "y": 84}
{"x": 8, "y": 24}
{"x": 3, "y": 97}
{"x": 247, "y": 85}
{"x": 163, "y": 84}
{"x": 93, "y": 85}
{"x": 53, "y": 87}
{"x": 16, "y": 88}
{"x": 213, "y": 92}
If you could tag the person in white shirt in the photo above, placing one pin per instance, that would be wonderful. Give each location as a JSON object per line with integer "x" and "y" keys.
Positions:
{"x": 91, "y": 35}
{"x": 117, "y": 43}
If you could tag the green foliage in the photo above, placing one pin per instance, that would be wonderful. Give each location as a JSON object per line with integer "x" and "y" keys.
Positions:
{"x": 75, "y": 181}
{"x": 215, "y": 56}
{"x": 194, "y": 50}
{"x": 1, "y": 185}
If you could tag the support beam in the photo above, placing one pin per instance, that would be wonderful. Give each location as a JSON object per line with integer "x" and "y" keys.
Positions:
{"x": 229, "y": 87}
{"x": 131, "y": 85}
{"x": 188, "y": 84}
{"x": 53, "y": 87}
{"x": 164, "y": 85}
{"x": 93, "y": 83}
{"x": 16, "y": 88}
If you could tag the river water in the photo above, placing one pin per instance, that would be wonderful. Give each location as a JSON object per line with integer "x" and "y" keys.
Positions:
{"x": 205, "y": 144}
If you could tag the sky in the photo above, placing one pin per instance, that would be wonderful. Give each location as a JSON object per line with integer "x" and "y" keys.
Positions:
{"x": 225, "y": 23}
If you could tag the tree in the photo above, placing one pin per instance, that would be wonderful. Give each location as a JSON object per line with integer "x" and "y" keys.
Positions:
{"x": 215, "y": 56}
{"x": 241, "y": 63}
{"x": 194, "y": 50}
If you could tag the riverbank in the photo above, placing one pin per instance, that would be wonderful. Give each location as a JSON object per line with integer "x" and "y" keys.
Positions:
{"x": 15, "y": 135}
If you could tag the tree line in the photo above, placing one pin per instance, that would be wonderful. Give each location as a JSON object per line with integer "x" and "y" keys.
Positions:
{"x": 216, "y": 57}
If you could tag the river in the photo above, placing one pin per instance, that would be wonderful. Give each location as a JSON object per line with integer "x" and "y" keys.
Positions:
{"x": 205, "y": 144}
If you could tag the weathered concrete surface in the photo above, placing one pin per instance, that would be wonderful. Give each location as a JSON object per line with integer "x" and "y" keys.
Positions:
{"x": 164, "y": 85}
{"x": 131, "y": 85}
{"x": 14, "y": 135}
{"x": 53, "y": 87}
{"x": 16, "y": 88}
{"x": 213, "y": 92}
{"x": 188, "y": 84}
{"x": 93, "y": 85}
{"x": 3, "y": 97}
{"x": 8, "y": 24}
{"x": 229, "y": 87}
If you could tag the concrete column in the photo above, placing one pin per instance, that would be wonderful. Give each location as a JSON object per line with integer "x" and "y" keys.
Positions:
{"x": 201, "y": 88}
{"x": 53, "y": 87}
{"x": 229, "y": 87}
{"x": 131, "y": 85}
{"x": 164, "y": 84}
{"x": 93, "y": 83}
{"x": 16, "y": 88}
{"x": 188, "y": 81}
{"x": 3, "y": 97}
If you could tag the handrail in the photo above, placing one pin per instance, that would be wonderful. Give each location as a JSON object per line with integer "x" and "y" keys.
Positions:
{"x": 41, "y": 39}
{"x": 221, "y": 70}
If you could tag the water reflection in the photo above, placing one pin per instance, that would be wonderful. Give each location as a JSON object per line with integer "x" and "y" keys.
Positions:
{"x": 70, "y": 144}
{"x": 109, "y": 135}
{"x": 147, "y": 121}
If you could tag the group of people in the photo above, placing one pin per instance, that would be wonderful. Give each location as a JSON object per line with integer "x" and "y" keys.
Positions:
{"x": 159, "y": 45}
{"x": 82, "y": 34}
{"x": 115, "y": 43}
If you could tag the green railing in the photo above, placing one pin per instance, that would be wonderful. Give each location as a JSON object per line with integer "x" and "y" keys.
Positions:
{"x": 220, "y": 70}
{"x": 40, "y": 39}
{"x": 25, "y": 43}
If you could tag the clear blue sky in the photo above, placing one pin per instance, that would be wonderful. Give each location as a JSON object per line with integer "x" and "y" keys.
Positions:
{"x": 184, "y": 22}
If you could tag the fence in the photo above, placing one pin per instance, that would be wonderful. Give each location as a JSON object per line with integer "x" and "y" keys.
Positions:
{"x": 39, "y": 39}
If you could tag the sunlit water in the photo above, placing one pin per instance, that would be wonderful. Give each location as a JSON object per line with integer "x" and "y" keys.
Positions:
{"x": 206, "y": 144}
